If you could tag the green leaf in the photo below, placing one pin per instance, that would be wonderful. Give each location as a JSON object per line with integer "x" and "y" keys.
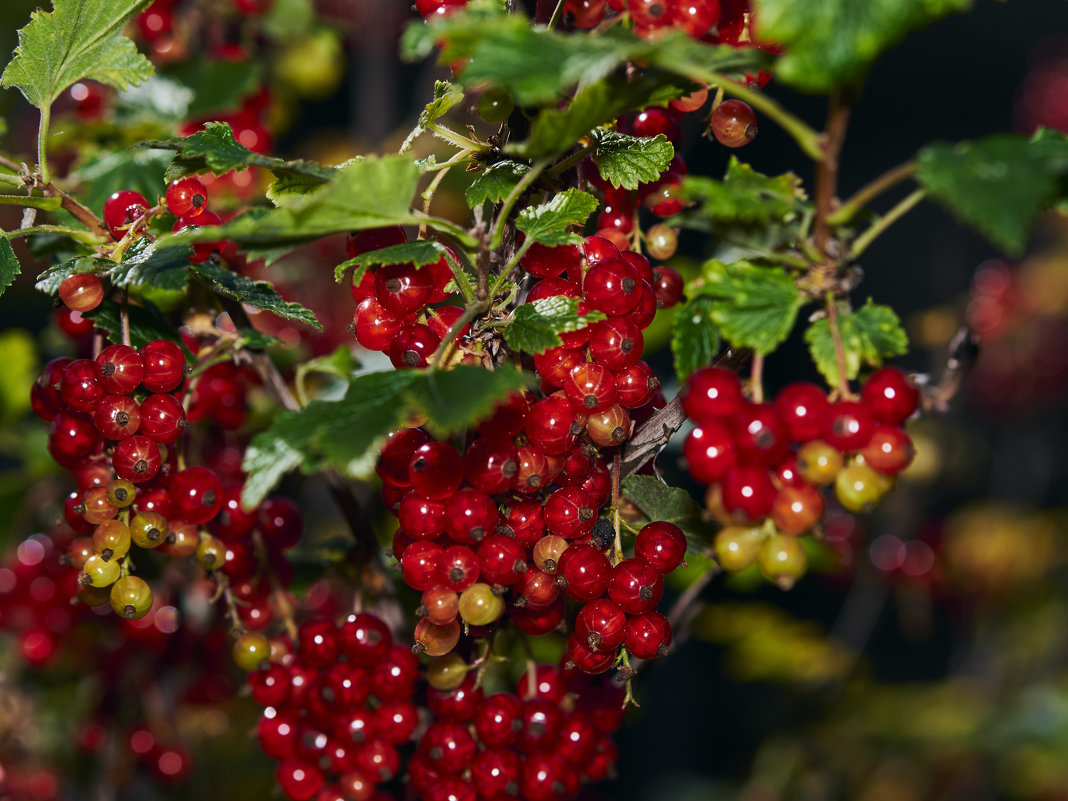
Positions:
{"x": 146, "y": 264}
{"x": 869, "y": 335}
{"x": 627, "y": 161}
{"x": 829, "y": 43}
{"x": 341, "y": 363}
{"x": 446, "y": 95}
{"x": 260, "y": 294}
{"x": 535, "y": 327}
{"x": 756, "y": 305}
{"x": 658, "y": 501}
{"x": 9, "y": 264}
{"x": 694, "y": 337}
{"x": 746, "y": 196}
{"x": 51, "y": 279}
{"x": 218, "y": 85}
{"x": 998, "y": 184}
{"x": 78, "y": 39}
{"x": 214, "y": 148}
{"x": 345, "y": 434}
{"x": 456, "y": 399}
{"x": 555, "y": 131}
{"x": 105, "y": 173}
{"x": 546, "y": 224}
{"x": 495, "y": 183}
{"x": 146, "y": 323}
{"x": 368, "y": 193}
{"x": 420, "y": 253}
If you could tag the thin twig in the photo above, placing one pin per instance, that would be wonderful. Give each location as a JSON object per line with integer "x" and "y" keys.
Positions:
{"x": 902, "y": 208}
{"x": 827, "y": 167}
{"x": 756, "y": 378}
{"x": 124, "y": 316}
{"x": 871, "y": 190}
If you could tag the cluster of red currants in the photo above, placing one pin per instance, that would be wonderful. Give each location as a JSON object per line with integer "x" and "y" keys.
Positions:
{"x": 169, "y": 42}
{"x": 340, "y": 715}
{"x": 766, "y": 462}
{"x": 390, "y": 299}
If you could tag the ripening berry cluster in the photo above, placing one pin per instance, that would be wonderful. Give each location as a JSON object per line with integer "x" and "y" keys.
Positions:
{"x": 116, "y": 423}
{"x": 391, "y": 298}
{"x": 515, "y": 523}
{"x": 765, "y": 463}
{"x": 341, "y": 718}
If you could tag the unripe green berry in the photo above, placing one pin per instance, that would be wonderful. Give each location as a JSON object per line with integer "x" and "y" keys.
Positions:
{"x": 737, "y": 547}
{"x": 250, "y": 650}
{"x": 782, "y": 560}
{"x": 446, "y": 672}
{"x": 131, "y": 597}
{"x": 100, "y": 572}
{"x": 479, "y": 606}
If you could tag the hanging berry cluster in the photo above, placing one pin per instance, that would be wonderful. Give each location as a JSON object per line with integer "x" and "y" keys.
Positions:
{"x": 341, "y": 714}
{"x": 764, "y": 463}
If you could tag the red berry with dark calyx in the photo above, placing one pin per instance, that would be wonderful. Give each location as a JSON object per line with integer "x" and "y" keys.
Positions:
{"x": 616, "y": 343}
{"x": 365, "y": 241}
{"x": 662, "y": 545}
{"x": 122, "y": 209}
{"x": 591, "y": 387}
{"x": 419, "y": 564}
{"x": 612, "y": 286}
{"x": 436, "y": 470}
{"x": 890, "y": 395}
{"x": 554, "y": 364}
{"x": 281, "y": 523}
{"x": 187, "y": 197}
{"x": 797, "y": 509}
{"x": 578, "y": 465}
{"x": 497, "y": 719}
{"x": 162, "y": 417}
{"x": 541, "y": 719}
{"x": 300, "y": 781}
{"x": 543, "y": 261}
{"x": 117, "y": 417}
{"x": 393, "y": 678}
{"x": 457, "y": 705}
{"x": 442, "y": 319}
{"x": 584, "y": 573}
{"x": 501, "y": 560}
{"x": 536, "y": 589}
{"x": 850, "y": 425}
{"x": 457, "y": 568}
{"x": 533, "y": 472}
{"x": 196, "y": 495}
{"x": 397, "y": 452}
{"x": 569, "y": 513}
{"x": 648, "y": 636}
{"x": 551, "y": 425}
{"x": 495, "y": 773}
{"x": 490, "y": 465}
{"x": 523, "y": 519}
{"x": 536, "y": 622}
{"x": 136, "y": 459}
{"x": 586, "y": 659}
{"x": 508, "y": 418}
{"x": 448, "y": 746}
{"x": 119, "y": 369}
{"x": 72, "y": 438}
{"x": 667, "y": 286}
{"x": 636, "y": 586}
{"x": 733, "y": 124}
{"x": 364, "y": 639}
{"x": 402, "y": 289}
{"x": 760, "y": 435}
{"x": 601, "y": 624}
{"x": 470, "y": 516}
{"x": 635, "y": 385}
{"x": 420, "y": 517}
{"x": 412, "y": 346}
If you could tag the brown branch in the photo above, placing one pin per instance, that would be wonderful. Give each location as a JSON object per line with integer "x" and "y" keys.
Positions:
{"x": 827, "y": 168}
{"x": 77, "y": 210}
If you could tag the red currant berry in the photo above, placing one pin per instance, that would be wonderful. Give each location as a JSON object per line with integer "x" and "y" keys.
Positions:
{"x": 667, "y": 287}
{"x": 497, "y": 719}
{"x": 470, "y": 516}
{"x": 601, "y": 625}
{"x": 501, "y": 560}
{"x": 586, "y": 659}
{"x": 82, "y": 292}
{"x": 371, "y": 239}
{"x": 612, "y": 286}
{"x": 662, "y": 545}
{"x": 448, "y": 746}
{"x": 364, "y": 639}
{"x": 635, "y": 385}
{"x": 122, "y": 209}
{"x": 457, "y": 705}
{"x": 136, "y": 459}
{"x": 889, "y": 450}
{"x": 436, "y": 470}
{"x": 537, "y": 622}
{"x": 457, "y": 568}
{"x": 648, "y": 636}
{"x": 636, "y": 586}
{"x": 495, "y": 773}
{"x": 420, "y": 517}
{"x": 616, "y": 343}
{"x": 281, "y": 523}
{"x": 542, "y": 261}
{"x": 402, "y": 289}
{"x": 890, "y": 396}
{"x": 710, "y": 452}
{"x": 797, "y": 509}
{"x": 849, "y": 426}
{"x": 162, "y": 417}
{"x": 490, "y": 465}
{"x": 551, "y": 425}
{"x": 569, "y": 513}
{"x": 186, "y": 197}
{"x": 523, "y": 519}
{"x": 759, "y": 434}
{"x": 397, "y": 452}
{"x": 117, "y": 417}
{"x": 584, "y": 573}
{"x": 804, "y": 410}
{"x": 541, "y": 724}
{"x": 419, "y": 564}
{"x": 733, "y": 123}
{"x": 164, "y": 365}
{"x": 299, "y": 781}
{"x": 591, "y": 387}
{"x": 748, "y": 491}
{"x": 374, "y": 326}
{"x": 119, "y": 369}
{"x": 553, "y": 365}
{"x": 712, "y": 394}
{"x": 79, "y": 388}
{"x": 412, "y": 346}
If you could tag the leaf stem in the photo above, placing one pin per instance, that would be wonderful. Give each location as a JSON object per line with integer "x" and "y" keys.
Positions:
{"x": 512, "y": 262}
{"x": 10, "y": 180}
{"x": 571, "y": 160}
{"x": 510, "y": 201}
{"x": 438, "y": 358}
{"x": 756, "y": 378}
{"x": 43, "y": 203}
{"x": 460, "y": 276}
{"x": 807, "y": 138}
{"x": 884, "y": 222}
{"x": 461, "y": 141}
{"x": 42, "y": 143}
{"x": 556, "y": 14}
{"x": 77, "y": 210}
{"x": 844, "y": 392}
{"x": 617, "y": 551}
{"x": 871, "y": 190}
{"x": 85, "y": 237}
{"x": 124, "y": 316}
